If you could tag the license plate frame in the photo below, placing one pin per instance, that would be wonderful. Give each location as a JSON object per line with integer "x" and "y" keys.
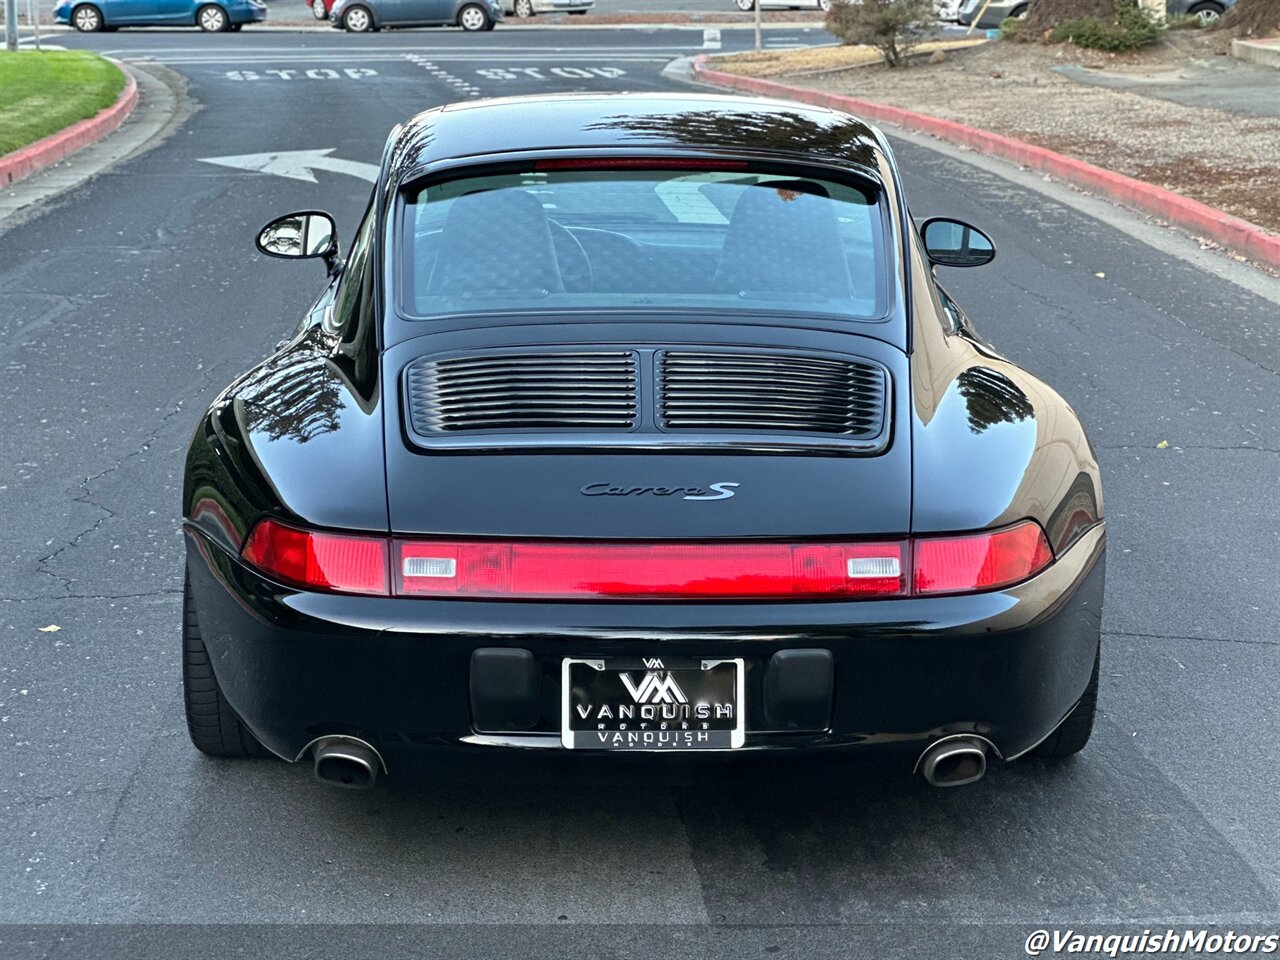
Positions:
{"x": 661, "y": 684}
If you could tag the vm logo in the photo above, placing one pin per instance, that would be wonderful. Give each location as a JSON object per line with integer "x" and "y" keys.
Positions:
{"x": 655, "y": 688}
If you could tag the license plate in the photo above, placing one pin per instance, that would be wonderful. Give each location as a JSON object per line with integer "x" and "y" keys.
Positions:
{"x": 652, "y": 703}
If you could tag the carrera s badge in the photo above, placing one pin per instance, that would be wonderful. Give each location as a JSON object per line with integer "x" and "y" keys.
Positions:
{"x": 722, "y": 490}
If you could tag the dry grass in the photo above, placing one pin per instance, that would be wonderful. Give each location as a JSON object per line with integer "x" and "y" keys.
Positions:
{"x": 813, "y": 60}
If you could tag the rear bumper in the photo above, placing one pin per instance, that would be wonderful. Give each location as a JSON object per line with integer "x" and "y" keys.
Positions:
{"x": 396, "y": 673}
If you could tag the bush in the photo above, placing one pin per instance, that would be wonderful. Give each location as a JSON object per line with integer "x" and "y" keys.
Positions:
{"x": 1130, "y": 28}
{"x": 893, "y": 27}
{"x": 1183, "y": 21}
{"x": 1009, "y": 28}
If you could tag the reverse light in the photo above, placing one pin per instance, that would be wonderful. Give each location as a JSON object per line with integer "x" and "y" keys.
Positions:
{"x": 379, "y": 566}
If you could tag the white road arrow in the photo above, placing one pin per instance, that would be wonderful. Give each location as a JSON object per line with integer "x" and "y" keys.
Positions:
{"x": 297, "y": 164}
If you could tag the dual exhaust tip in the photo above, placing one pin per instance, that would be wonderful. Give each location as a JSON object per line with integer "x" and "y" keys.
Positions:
{"x": 346, "y": 762}
{"x": 954, "y": 762}
{"x": 354, "y": 765}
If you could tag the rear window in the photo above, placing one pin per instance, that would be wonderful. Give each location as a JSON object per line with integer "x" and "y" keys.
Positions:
{"x": 642, "y": 239}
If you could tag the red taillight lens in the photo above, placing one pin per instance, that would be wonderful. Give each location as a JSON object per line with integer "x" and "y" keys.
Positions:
{"x": 985, "y": 561}
{"x": 732, "y": 571}
{"x": 578, "y": 570}
{"x": 319, "y": 561}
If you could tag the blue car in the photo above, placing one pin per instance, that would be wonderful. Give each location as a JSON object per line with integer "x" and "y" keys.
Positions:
{"x": 89, "y": 16}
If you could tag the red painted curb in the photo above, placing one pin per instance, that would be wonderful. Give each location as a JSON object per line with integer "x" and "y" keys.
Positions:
{"x": 1245, "y": 238}
{"x": 36, "y": 156}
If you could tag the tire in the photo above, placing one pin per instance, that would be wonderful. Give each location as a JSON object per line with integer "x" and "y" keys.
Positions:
{"x": 1019, "y": 13}
{"x": 824, "y": 6}
{"x": 1073, "y": 733}
{"x": 524, "y": 9}
{"x": 87, "y": 18}
{"x": 357, "y": 20}
{"x": 318, "y": 11}
{"x": 211, "y": 18}
{"x": 746, "y": 6}
{"x": 473, "y": 18}
{"x": 212, "y": 724}
{"x": 1208, "y": 13}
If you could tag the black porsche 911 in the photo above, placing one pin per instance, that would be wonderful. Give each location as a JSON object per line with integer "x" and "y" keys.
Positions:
{"x": 639, "y": 423}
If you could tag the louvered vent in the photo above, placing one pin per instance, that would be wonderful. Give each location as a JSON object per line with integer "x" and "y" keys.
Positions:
{"x": 591, "y": 391}
{"x": 746, "y": 393}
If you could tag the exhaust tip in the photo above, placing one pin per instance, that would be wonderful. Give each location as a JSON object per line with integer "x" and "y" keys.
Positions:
{"x": 954, "y": 763}
{"x": 347, "y": 762}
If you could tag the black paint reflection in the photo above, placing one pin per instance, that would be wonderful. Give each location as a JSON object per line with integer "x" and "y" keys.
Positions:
{"x": 992, "y": 398}
{"x": 748, "y": 130}
{"x": 292, "y": 395}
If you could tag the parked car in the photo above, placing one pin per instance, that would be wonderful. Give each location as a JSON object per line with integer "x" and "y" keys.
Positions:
{"x": 89, "y": 16}
{"x": 528, "y": 8}
{"x": 360, "y": 16}
{"x": 639, "y": 423}
{"x": 749, "y": 5}
{"x": 1207, "y": 10}
{"x": 993, "y": 14}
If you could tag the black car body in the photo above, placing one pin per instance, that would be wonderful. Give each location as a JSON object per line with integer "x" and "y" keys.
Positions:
{"x": 538, "y": 542}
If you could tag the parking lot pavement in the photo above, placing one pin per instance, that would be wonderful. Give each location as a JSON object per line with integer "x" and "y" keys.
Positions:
{"x": 136, "y": 297}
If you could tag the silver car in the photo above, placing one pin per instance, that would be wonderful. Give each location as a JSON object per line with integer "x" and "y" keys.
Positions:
{"x": 1207, "y": 10}
{"x": 361, "y": 16}
{"x": 527, "y": 8}
{"x": 748, "y": 5}
{"x": 993, "y": 13}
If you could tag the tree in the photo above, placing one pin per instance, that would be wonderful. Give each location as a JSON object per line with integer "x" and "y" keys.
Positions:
{"x": 1252, "y": 18}
{"x": 893, "y": 27}
{"x": 1046, "y": 15}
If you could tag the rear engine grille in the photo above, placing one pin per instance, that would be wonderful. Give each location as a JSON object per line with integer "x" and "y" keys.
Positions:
{"x": 748, "y": 393}
{"x": 592, "y": 391}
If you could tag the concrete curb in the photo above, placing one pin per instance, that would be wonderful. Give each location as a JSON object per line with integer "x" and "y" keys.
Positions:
{"x": 1241, "y": 236}
{"x": 35, "y": 157}
{"x": 1265, "y": 53}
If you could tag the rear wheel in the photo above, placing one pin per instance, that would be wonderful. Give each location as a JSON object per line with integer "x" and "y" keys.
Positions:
{"x": 1073, "y": 733}
{"x": 318, "y": 11}
{"x": 357, "y": 20}
{"x": 86, "y": 18}
{"x": 524, "y": 8}
{"x": 212, "y": 19}
{"x": 1207, "y": 12}
{"x": 746, "y": 6}
{"x": 213, "y": 725}
{"x": 473, "y": 17}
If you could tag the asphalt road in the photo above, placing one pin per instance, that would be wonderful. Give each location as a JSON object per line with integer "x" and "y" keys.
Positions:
{"x": 131, "y": 300}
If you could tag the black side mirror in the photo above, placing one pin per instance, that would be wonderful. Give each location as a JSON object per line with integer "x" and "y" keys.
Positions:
{"x": 954, "y": 243}
{"x": 301, "y": 236}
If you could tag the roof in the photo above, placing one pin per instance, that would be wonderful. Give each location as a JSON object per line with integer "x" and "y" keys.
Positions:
{"x": 647, "y": 121}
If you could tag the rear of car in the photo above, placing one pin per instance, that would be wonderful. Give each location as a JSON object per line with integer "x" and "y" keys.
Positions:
{"x": 649, "y": 440}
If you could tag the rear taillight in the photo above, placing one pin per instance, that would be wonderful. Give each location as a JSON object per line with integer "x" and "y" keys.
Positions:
{"x": 708, "y": 571}
{"x": 319, "y": 561}
{"x": 701, "y": 570}
{"x": 983, "y": 561}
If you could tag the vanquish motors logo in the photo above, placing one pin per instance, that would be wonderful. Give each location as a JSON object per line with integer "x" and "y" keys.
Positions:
{"x": 721, "y": 490}
{"x": 656, "y": 687}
